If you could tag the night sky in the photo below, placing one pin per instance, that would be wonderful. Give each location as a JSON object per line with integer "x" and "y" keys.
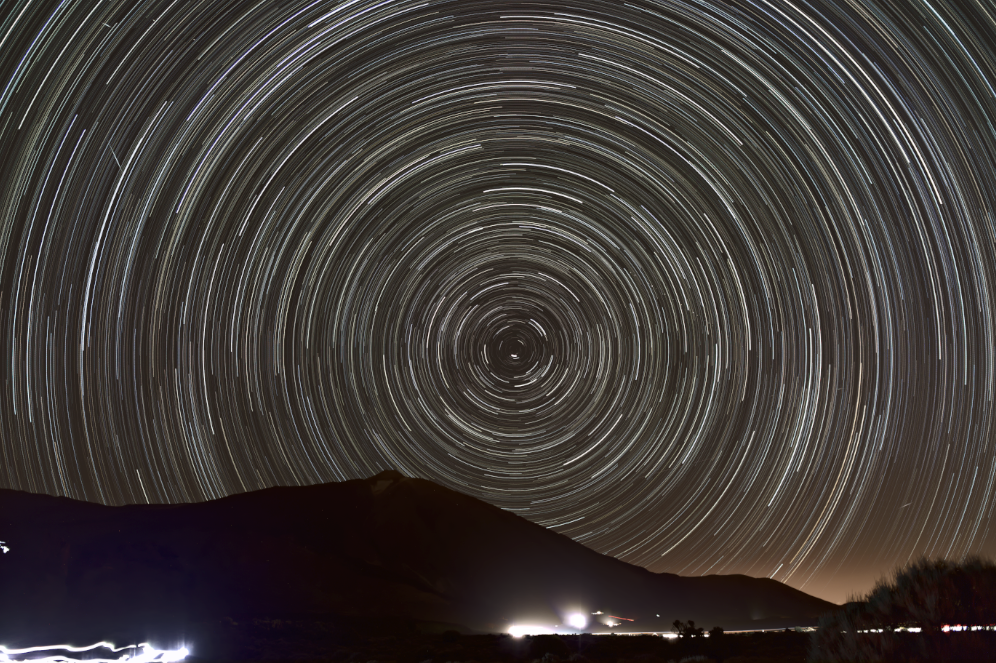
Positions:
{"x": 706, "y": 286}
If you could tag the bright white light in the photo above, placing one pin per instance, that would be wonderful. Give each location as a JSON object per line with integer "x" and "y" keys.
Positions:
{"x": 143, "y": 653}
{"x": 4, "y": 547}
{"x": 520, "y": 630}
{"x": 577, "y": 620}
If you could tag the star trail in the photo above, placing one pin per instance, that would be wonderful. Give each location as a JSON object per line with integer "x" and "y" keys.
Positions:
{"x": 706, "y": 286}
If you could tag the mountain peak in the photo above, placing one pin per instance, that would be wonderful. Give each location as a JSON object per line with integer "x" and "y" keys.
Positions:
{"x": 381, "y": 482}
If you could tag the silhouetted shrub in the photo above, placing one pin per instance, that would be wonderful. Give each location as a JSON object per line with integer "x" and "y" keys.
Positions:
{"x": 925, "y": 594}
{"x": 688, "y": 630}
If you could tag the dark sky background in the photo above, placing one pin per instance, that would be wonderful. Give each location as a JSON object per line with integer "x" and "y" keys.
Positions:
{"x": 707, "y": 286}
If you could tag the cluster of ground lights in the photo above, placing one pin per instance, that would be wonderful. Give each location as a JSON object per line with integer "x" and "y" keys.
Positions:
{"x": 573, "y": 622}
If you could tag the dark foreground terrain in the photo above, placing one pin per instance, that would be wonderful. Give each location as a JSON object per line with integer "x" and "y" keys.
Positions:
{"x": 387, "y": 555}
{"x": 755, "y": 647}
{"x": 440, "y": 648}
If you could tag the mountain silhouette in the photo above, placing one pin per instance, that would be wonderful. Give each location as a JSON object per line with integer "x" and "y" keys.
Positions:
{"x": 384, "y": 553}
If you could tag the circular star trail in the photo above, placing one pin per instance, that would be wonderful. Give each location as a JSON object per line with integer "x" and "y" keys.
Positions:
{"x": 706, "y": 286}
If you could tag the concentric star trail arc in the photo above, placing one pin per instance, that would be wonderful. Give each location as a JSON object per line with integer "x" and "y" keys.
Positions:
{"x": 705, "y": 286}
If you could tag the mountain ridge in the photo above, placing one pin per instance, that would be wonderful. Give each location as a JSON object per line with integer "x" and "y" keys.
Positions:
{"x": 384, "y": 552}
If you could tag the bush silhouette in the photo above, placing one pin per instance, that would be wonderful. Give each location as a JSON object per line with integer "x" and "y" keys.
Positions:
{"x": 926, "y": 594}
{"x": 688, "y": 630}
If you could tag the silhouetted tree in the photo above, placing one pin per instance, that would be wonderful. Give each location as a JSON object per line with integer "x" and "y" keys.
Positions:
{"x": 926, "y": 594}
{"x": 688, "y": 630}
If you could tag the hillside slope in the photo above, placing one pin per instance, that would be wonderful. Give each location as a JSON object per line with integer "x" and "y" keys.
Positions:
{"x": 382, "y": 553}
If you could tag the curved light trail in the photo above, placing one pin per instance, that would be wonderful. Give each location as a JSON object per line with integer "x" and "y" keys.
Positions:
{"x": 706, "y": 286}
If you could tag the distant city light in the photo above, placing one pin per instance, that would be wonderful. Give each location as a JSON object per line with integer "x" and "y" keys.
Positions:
{"x": 948, "y": 628}
{"x": 143, "y": 653}
{"x": 577, "y": 620}
{"x": 520, "y": 630}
